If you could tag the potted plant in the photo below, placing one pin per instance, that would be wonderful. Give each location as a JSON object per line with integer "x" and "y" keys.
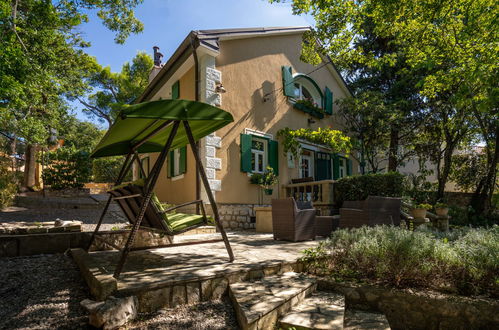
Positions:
{"x": 269, "y": 179}
{"x": 441, "y": 209}
{"x": 419, "y": 211}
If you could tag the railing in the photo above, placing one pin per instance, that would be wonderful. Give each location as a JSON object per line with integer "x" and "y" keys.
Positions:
{"x": 318, "y": 192}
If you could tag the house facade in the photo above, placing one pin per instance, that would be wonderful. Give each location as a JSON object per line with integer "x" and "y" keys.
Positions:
{"x": 257, "y": 76}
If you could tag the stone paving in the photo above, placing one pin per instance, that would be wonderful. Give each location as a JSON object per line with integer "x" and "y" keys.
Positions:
{"x": 156, "y": 267}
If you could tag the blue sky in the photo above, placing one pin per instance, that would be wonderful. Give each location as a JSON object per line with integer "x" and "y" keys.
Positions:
{"x": 167, "y": 22}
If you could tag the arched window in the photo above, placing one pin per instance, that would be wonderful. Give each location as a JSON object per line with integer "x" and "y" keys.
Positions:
{"x": 307, "y": 90}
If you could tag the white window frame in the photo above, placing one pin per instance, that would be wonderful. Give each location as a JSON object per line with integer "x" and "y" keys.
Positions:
{"x": 303, "y": 82}
{"x": 311, "y": 163}
{"x": 259, "y": 153}
{"x": 342, "y": 167}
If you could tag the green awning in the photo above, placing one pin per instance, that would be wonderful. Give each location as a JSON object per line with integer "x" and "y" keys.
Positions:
{"x": 136, "y": 121}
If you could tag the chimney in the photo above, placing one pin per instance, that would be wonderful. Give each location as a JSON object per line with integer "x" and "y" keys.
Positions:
{"x": 157, "y": 56}
{"x": 157, "y": 63}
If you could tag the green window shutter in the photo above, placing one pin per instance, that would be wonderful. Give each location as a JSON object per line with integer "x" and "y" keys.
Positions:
{"x": 273, "y": 156}
{"x": 183, "y": 160}
{"x": 245, "y": 153}
{"x": 287, "y": 81}
{"x": 349, "y": 166}
{"x": 170, "y": 164}
{"x": 328, "y": 101}
{"x": 176, "y": 90}
{"x": 336, "y": 167}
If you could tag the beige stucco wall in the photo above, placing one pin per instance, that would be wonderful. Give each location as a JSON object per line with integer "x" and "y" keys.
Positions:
{"x": 251, "y": 68}
{"x": 182, "y": 189}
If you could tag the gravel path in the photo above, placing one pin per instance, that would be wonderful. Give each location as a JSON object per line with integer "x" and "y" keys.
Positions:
{"x": 41, "y": 292}
{"x": 213, "y": 315}
{"x": 44, "y": 292}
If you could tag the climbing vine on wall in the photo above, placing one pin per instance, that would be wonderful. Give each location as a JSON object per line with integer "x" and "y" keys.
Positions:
{"x": 334, "y": 139}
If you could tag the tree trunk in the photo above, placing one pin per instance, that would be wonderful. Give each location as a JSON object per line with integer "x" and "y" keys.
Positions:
{"x": 444, "y": 173}
{"x": 393, "y": 150}
{"x": 30, "y": 166}
{"x": 482, "y": 197}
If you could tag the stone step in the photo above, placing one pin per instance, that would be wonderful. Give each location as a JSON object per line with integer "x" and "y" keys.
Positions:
{"x": 259, "y": 304}
{"x": 322, "y": 310}
{"x": 360, "y": 320}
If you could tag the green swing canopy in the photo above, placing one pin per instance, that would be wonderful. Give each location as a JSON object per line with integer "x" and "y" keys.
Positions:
{"x": 135, "y": 122}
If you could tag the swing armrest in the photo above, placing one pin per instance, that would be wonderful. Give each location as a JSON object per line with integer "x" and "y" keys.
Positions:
{"x": 181, "y": 205}
{"x": 127, "y": 196}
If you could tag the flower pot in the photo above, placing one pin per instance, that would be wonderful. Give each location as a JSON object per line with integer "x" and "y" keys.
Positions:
{"x": 442, "y": 211}
{"x": 268, "y": 191}
{"x": 419, "y": 213}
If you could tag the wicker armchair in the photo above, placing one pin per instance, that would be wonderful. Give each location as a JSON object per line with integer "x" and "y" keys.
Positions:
{"x": 291, "y": 223}
{"x": 373, "y": 211}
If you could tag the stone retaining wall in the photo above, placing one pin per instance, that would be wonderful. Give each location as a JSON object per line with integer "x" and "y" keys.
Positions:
{"x": 419, "y": 310}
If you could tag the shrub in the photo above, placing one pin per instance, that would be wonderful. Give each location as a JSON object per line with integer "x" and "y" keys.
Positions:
{"x": 464, "y": 261}
{"x": 107, "y": 169}
{"x": 361, "y": 186}
{"x": 67, "y": 167}
{"x": 8, "y": 184}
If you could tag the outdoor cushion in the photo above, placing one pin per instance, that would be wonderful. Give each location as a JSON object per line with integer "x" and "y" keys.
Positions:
{"x": 180, "y": 221}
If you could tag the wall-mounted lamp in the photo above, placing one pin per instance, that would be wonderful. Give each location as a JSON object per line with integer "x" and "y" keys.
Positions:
{"x": 310, "y": 121}
{"x": 220, "y": 89}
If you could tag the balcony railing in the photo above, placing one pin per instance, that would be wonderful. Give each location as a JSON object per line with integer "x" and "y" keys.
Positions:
{"x": 318, "y": 192}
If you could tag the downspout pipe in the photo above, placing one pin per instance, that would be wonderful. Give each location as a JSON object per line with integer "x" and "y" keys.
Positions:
{"x": 194, "y": 45}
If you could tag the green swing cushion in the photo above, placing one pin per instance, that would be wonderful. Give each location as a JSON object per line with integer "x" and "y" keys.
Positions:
{"x": 175, "y": 221}
{"x": 181, "y": 221}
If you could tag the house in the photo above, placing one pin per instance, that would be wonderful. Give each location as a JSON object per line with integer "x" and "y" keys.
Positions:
{"x": 255, "y": 74}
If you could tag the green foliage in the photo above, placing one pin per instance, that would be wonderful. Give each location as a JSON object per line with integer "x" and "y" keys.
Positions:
{"x": 334, "y": 139}
{"x": 42, "y": 59}
{"x": 359, "y": 187}
{"x": 107, "y": 169}
{"x": 425, "y": 206}
{"x": 465, "y": 216}
{"x": 468, "y": 170}
{"x": 367, "y": 119}
{"x": 266, "y": 179}
{"x": 82, "y": 135}
{"x": 66, "y": 167}
{"x": 441, "y": 205}
{"x": 111, "y": 91}
{"x": 8, "y": 184}
{"x": 464, "y": 261}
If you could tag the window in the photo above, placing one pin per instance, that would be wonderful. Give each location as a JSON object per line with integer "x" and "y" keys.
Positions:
{"x": 342, "y": 167}
{"x": 258, "y": 152}
{"x": 305, "y": 90}
{"x": 307, "y": 164}
{"x": 177, "y": 162}
{"x": 258, "y": 155}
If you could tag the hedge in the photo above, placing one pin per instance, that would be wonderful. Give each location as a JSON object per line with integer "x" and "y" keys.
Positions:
{"x": 359, "y": 187}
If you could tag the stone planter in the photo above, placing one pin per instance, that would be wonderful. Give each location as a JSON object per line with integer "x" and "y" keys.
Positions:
{"x": 418, "y": 213}
{"x": 263, "y": 219}
{"x": 442, "y": 211}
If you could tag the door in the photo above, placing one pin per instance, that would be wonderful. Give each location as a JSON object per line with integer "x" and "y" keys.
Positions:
{"x": 323, "y": 166}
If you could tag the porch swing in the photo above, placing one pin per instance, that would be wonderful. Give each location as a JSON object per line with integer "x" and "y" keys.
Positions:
{"x": 150, "y": 127}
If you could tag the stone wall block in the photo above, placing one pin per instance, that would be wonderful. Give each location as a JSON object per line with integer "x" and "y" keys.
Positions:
{"x": 211, "y": 151}
{"x": 213, "y": 162}
{"x": 178, "y": 295}
{"x": 214, "y": 141}
{"x": 192, "y": 292}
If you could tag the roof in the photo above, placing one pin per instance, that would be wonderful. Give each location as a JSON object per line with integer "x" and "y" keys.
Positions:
{"x": 142, "y": 120}
{"x": 210, "y": 39}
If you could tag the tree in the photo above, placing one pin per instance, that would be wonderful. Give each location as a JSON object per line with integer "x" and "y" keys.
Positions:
{"x": 367, "y": 121}
{"x": 82, "y": 135}
{"x": 371, "y": 63}
{"x": 42, "y": 59}
{"x": 446, "y": 50}
{"x": 112, "y": 90}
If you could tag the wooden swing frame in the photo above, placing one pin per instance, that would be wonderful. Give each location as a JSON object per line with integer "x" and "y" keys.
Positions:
{"x": 148, "y": 190}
